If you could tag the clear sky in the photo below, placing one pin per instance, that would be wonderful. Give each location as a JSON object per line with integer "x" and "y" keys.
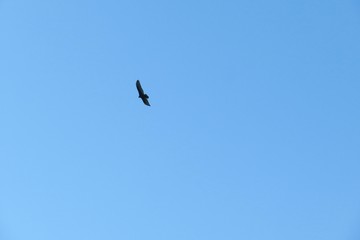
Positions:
{"x": 253, "y": 132}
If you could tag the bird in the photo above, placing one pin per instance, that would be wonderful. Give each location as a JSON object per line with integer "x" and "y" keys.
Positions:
{"x": 144, "y": 97}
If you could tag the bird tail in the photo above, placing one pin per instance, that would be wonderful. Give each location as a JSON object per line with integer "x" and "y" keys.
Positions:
{"x": 146, "y": 96}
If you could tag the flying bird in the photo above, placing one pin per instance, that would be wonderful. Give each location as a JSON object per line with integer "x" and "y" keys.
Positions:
{"x": 144, "y": 97}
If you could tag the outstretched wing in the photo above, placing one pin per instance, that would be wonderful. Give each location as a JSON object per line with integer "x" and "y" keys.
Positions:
{"x": 139, "y": 88}
{"x": 145, "y": 100}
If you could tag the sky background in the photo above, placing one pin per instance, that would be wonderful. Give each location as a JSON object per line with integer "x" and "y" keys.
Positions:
{"x": 253, "y": 132}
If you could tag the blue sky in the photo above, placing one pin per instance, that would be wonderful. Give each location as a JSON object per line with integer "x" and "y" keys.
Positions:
{"x": 253, "y": 132}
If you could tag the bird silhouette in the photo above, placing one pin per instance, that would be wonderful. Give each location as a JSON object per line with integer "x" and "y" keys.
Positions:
{"x": 144, "y": 97}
